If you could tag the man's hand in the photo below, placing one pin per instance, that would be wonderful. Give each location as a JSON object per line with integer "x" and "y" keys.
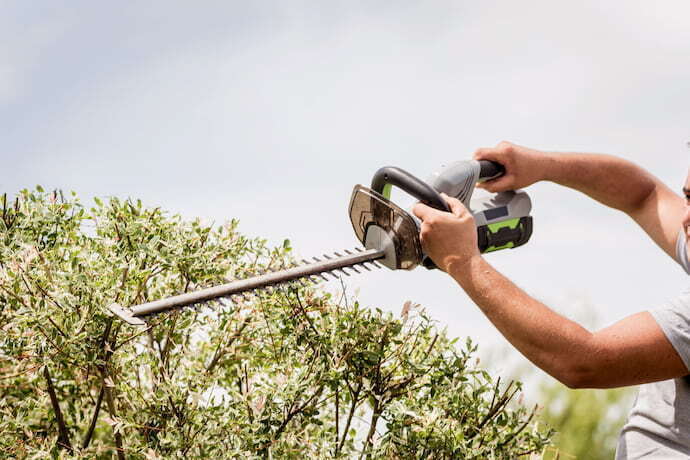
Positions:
{"x": 612, "y": 181}
{"x": 524, "y": 166}
{"x": 449, "y": 238}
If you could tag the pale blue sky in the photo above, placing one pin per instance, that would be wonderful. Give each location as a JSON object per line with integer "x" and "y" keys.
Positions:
{"x": 271, "y": 111}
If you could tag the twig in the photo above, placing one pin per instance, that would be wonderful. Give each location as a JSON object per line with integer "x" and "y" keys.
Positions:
{"x": 118, "y": 437}
{"x": 63, "y": 436}
{"x": 372, "y": 428}
{"x": 219, "y": 353}
{"x": 337, "y": 415}
{"x": 353, "y": 407}
{"x": 94, "y": 418}
{"x": 522, "y": 427}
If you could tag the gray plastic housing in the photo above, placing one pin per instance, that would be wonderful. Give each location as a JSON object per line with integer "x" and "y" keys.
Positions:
{"x": 457, "y": 180}
{"x": 500, "y": 207}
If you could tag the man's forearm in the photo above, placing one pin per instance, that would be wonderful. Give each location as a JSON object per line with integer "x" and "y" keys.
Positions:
{"x": 549, "y": 340}
{"x": 612, "y": 181}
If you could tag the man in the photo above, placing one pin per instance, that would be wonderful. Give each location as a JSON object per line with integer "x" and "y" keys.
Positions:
{"x": 651, "y": 348}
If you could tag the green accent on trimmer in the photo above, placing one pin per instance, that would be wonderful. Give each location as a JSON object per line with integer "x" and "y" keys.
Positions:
{"x": 387, "y": 191}
{"x": 510, "y": 223}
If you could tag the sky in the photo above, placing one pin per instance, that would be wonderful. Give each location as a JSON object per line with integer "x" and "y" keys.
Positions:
{"x": 270, "y": 112}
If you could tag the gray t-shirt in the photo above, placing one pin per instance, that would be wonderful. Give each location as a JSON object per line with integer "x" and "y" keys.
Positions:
{"x": 659, "y": 423}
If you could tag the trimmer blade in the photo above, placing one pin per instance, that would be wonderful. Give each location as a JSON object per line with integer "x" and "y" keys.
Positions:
{"x": 126, "y": 314}
{"x": 327, "y": 265}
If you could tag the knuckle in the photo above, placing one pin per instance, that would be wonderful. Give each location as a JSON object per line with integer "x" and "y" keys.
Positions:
{"x": 506, "y": 147}
{"x": 479, "y": 152}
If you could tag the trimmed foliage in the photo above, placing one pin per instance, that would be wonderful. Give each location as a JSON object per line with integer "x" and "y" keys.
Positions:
{"x": 290, "y": 373}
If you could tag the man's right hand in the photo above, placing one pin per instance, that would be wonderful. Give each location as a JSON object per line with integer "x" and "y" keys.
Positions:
{"x": 524, "y": 166}
{"x": 612, "y": 181}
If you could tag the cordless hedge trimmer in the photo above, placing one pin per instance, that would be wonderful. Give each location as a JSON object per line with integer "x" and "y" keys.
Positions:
{"x": 389, "y": 234}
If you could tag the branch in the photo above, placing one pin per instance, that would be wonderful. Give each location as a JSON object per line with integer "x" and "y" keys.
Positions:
{"x": 353, "y": 407}
{"x": 519, "y": 430}
{"x": 111, "y": 409}
{"x": 292, "y": 413}
{"x": 108, "y": 391}
{"x": 94, "y": 418}
{"x": 372, "y": 428}
{"x": 219, "y": 351}
{"x": 165, "y": 353}
{"x": 337, "y": 415}
{"x": 63, "y": 436}
{"x": 503, "y": 400}
{"x": 101, "y": 393}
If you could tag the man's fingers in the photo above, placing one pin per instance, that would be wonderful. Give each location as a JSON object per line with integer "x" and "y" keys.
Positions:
{"x": 501, "y": 184}
{"x": 485, "y": 153}
{"x": 423, "y": 211}
{"x": 455, "y": 205}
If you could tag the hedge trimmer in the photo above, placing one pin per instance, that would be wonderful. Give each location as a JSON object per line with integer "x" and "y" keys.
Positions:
{"x": 389, "y": 234}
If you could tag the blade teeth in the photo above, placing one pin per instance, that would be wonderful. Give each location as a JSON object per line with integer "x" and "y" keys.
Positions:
{"x": 372, "y": 262}
{"x": 336, "y": 273}
{"x": 299, "y": 282}
{"x": 362, "y": 265}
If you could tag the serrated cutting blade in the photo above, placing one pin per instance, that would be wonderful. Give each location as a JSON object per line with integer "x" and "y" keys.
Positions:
{"x": 134, "y": 315}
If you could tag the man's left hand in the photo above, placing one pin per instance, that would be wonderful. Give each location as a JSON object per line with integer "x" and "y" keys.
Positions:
{"x": 449, "y": 238}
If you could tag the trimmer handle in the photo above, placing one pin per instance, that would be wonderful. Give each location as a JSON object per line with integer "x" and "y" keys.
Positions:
{"x": 489, "y": 170}
{"x": 388, "y": 176}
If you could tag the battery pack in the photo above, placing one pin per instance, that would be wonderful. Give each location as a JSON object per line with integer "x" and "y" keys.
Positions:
{"x": 503, "y": 220}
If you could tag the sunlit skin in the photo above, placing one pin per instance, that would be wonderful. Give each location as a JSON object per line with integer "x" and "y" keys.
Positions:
{"x": 631, "y": 351}
{"x": 686, "y": 216}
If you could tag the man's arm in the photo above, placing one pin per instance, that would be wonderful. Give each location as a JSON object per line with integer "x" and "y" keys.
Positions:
{"x": 630, "y": 352}
{"x": 612, "y": 181}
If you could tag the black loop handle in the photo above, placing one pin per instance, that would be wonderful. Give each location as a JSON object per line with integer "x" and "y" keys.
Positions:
{"x": 410, "y": 184}
{"x": 489, "y": 170}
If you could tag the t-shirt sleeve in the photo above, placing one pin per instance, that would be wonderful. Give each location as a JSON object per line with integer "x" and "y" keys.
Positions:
{"x": 674, "y": 320}
{"x": 674, "y": 317}
{"x": 682, "y": 252}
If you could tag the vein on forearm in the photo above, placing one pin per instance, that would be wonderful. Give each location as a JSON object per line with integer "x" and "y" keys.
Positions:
{"x": 542, "y": 335}
{"x": 612, "y": 181}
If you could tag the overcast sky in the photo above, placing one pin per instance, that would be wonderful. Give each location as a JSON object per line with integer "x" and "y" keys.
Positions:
{"x": 270, "y": 112}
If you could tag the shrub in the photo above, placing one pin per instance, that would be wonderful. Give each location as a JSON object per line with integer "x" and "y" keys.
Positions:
{"x": 289, "y": 373}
